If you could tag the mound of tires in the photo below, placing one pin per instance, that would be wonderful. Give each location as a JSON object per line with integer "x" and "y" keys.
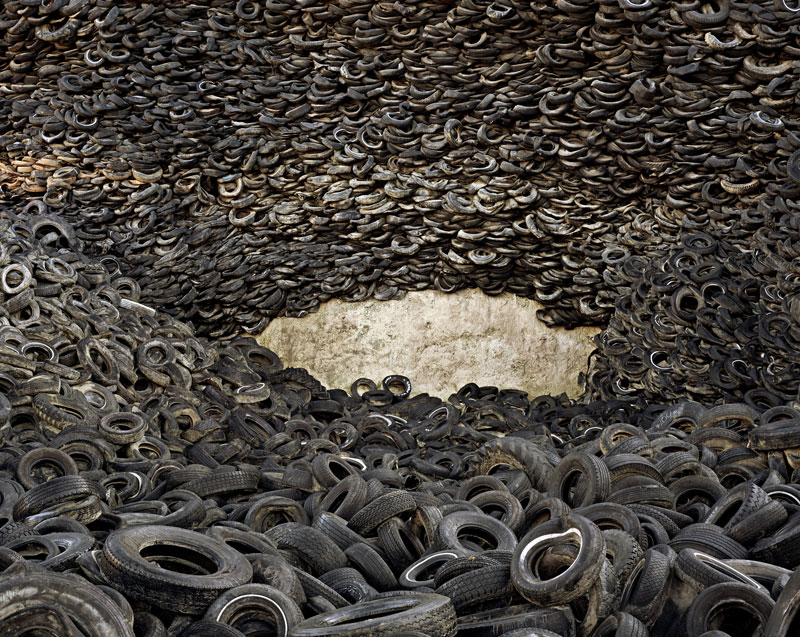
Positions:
{"x": 155, "y": 483}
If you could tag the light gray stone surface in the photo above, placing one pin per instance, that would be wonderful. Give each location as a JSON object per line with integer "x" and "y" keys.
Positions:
{"x": 440, "y": 341}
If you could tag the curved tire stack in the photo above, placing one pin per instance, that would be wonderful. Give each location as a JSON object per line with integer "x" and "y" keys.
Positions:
{"x": 243, "y": 160}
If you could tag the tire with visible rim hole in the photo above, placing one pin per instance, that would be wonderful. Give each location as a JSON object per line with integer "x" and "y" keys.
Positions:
{"x": 728, "y": 606}
{"x": 256, "y": 603}
{"x": 561, "y": 587}
{"x": 132, "y": 560}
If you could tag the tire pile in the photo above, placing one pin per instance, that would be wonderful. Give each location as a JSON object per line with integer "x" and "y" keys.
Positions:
{"x": 358, "y": 149}
{"x": 154, "y": 483}
{"x": 704, "y": 321}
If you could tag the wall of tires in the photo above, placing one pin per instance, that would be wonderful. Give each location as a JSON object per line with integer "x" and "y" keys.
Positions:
{"x": 173, "y": 176}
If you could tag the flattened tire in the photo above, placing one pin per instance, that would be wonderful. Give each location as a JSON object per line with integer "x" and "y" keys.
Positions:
{"x": 55, "y": 491}
{"x": 142, "y": 562}
{"x": 388, "y": 615}
{"x": 528, "y": 617}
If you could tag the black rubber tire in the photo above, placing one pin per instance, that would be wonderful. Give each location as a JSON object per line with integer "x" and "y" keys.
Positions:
{"x": 55, "y": 491}
{"x": 315, "y": 590}
{"x": 427, "y": 613}
{"x": 350, "y": 584}
{"x": 247, "y": 542}
{"x": 573, "y": 582}
{"x": 329, "y": 470}
{"x": 621, "y": 625}
{"x": 778, "y": 434}
{"x": 456, "y": 528}
{"x": 741, "y": 413}
{"x": 372, "y": 566}
{"x": 765, "y": 574}
{"x": 544, "y": 510}
{"x": 646, "y": 494}
{"x": 684, "y": 410}
{"x": 782, "y": 547}
{"x": 710, "y": 539}
{"x": 43, "y": 455}
{"x": 148, "y": 624}
{"x": 400, "y": 546}
{"x": 314, "y": 549}
{"x": 23, "y": 590}
{"x": 627, "y": 464}
{"x": 701, "y": 570}
{"x": 608, "y": 515}
{"x": 624, "y": 553}
{"x": 580, "y": 480}
{"x": 275, "y": 571}
{"x": 785, "y": 618}
{"x": 752, "y": 610}
{"x": 220, "y": 567}
{"x": 502, "y": 505}
{"x": 644, "y": 593}
{"x": 758, "y": 524}
{"x": 256, "y": 602}
{"x": 271, "y": 510}
{"x": 529, "y": 617}
{"x": 344, "y": 499}
{"x": 409, "y": 578}
{"x": 337, "y": 530}
{"x": 223, "y": 482}
{"x": 737, "y": 504}
{"x": 122, "y": 428}
{"x": 460, "y": 565}
{"x": 693, "y": 489}
{"x": 389, "y": 505}
{"x": 478, "y": 586}
{"x": 11, "y": 531}
{"x": 207, "y": 628}
{"x": 63, "y": 548}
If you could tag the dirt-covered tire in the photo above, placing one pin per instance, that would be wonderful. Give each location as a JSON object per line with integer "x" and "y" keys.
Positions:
{"x": 24, "y": 591}
{"x": 516, "y": 453}
{"x": 530, "y": 618}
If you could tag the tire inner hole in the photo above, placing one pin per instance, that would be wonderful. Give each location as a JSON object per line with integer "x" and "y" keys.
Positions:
{"x": 178, "y": 559}
{"x": 477, "y": 536}
{"x": 737, "y": 620}
{"x": 45, "y": 469}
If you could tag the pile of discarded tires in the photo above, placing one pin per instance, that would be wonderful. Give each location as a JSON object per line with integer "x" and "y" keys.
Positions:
{"x": 705, "y": 321}
{"x": 154, "y": 483}
{"x": 360, "y": 149}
